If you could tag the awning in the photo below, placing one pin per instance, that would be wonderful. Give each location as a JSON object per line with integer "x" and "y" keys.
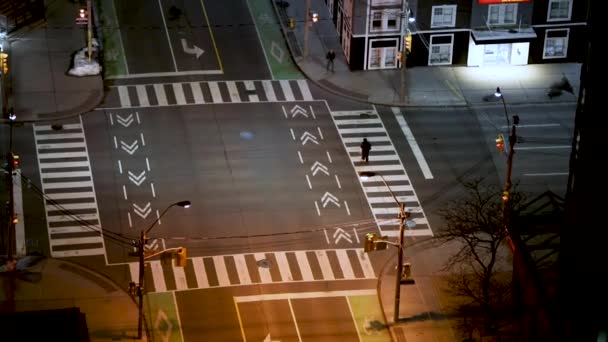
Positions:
{"x": 499, "y": 36}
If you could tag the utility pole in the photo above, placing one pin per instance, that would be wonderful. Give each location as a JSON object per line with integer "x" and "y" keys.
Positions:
{"x": 89, "y": 30}
{"x": 402, "y": 217}
{"x": 306, "y": 28}
{"x": 140, "y": 252}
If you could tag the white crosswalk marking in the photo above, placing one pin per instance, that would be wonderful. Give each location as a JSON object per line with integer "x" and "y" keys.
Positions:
{"x": 200, "y": 273}
{"x": 159, "y": 91}
{"x": 180, "y": 98}
{"x": 157, "y": 276}
{"x": 142, "y": 95}
{"x": 220, "y": 273}
{"x": 303, "y": 85}
{"x": 123, "y": 93}
{"x": 241, "y": 267}
{"x": 385, "y": 162}
{"x": 304, "y": 266}
{"x": 233, "y": 91}
{"x": 251, "y": 87}
{"x": 264, "y": 272}
{"x": 72, "y": 216}
{"x": 325, "y": 266}
{"x": 270, "y": 95}
{"x": 287, "y": 90}
{"x": 197, "y": 93}
{"x": 211, "y": 92}
{"x": 283, "y": 266}
{"x": 220, "y": 270}
{"x": 215, "y": 92}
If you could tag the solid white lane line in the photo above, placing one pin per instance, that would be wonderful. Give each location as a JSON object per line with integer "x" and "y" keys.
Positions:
{"x": 409, "y": 136}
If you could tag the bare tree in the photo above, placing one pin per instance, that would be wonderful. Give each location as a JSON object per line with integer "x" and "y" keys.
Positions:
{"x": 476, "y": 223}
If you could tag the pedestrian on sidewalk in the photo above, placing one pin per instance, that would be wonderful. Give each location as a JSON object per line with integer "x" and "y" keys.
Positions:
{"x": 365, "y": 148}
{"x": 331, "y": 55}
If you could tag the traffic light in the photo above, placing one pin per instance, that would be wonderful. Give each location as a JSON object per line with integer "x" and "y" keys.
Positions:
{"x": 314, "y": 17}
{"x": 500, "y": 143}
{"x": 406, "y": 274}
{"x": 505, "y": 196}
{"x": 292, "y": 23}
{"x": 181, "y": 257}
{"x": 368, "y": 244}
{"x": 4, "y": 63}
{"x": 16, "y": 161}
{"x": 82, "y": 17}
{"x": 408, "y": 43}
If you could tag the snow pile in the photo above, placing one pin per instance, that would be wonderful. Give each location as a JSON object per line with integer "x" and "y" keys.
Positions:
{"x": 82, "y": 66}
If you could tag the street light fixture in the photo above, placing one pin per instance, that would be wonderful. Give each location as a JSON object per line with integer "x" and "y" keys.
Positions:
{"x": 403, "y": 215}
{"x": 140, "y": 253}
{"x": 506, "y": 194}
{"x": 499, "y": 94}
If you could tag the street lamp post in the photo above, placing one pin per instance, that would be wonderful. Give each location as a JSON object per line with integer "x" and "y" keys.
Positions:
{"x": 506, "y": 196}
{"x": 140, "y": 253}
{"x": 403, "y": 215}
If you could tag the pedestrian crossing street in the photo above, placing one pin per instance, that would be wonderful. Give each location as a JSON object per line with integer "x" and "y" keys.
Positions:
{"x": 353, "y": 126}
{"x": 191, "y": 93}
{"x": 67, "y": 183}
{"x": 255, "y": 268}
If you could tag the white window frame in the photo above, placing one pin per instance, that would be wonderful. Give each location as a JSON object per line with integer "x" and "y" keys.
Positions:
{"x": 385, "y": 16}
{"x": 566, "y": 38}
{"x": 502, "y": 8}
{"x": 559, "y": 19}
{"x": 386, "y": 2}
{"x": 450, "y": 45}
{"x": 382, "y": 64}
{"x": 452, "y": 23}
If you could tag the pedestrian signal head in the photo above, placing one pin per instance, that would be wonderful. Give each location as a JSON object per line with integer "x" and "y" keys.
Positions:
{"x": 505, "y": 196}
{"x": 314, "y": 17}
{"x": 181, "y": 257}
{"x": 369, "y": 242}
{"x": 500, "y": 142}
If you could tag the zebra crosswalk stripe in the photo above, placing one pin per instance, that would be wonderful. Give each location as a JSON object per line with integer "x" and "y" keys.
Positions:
{"x": 384, "y": 160}
{"x": 159, "y": 94}
{"x": 72, "y": 216}
{"x": 173, "y": 278}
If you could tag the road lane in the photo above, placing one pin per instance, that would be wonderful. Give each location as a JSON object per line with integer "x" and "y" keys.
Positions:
{"x": 144, "y": 37}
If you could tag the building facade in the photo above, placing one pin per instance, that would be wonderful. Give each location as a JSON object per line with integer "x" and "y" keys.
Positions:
{"x": 459, "y": 32}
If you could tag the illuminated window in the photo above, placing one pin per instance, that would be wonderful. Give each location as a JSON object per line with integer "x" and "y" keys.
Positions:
{"x": 559, "y": 10}
{"x": 440, "y": 49}
{"x": 443, "y": 16}
{"x": 503, "y": 14}
{"x": 385, "y": 20}
{"x": 556, "y": 43}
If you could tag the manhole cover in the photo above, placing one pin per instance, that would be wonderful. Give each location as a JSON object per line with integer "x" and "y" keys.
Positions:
{"x": 265, "y": 263}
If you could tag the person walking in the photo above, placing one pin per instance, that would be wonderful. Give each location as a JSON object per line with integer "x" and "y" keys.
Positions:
{"x": 366, "y": 146}
{"x": 331, "y": 55}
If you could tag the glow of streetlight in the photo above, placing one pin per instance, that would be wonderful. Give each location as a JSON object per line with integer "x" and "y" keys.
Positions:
{"x": 498, "y": 93}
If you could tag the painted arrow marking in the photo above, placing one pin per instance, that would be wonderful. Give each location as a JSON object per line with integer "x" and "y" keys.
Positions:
{"x": 137, "y": 180}
{"x": 125, "y": 121}
{"x": 142, "y": 212}
{"x": 341, "y": 234}
{"x": 316, "y": 167}
{"x": 306, "y": 137}
{"x": 152, "y": 245}
{"x": 194, "y": 50}
{"x": 130, "y": 149}
{"x": 327, "y": 197}
{"x": 298, "y": 110}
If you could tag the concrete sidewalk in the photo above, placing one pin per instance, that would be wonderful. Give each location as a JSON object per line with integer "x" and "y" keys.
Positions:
{"x": 39, "y": 57}
{"x": 111, "y": 314}
{"x": 425, "y": 86}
